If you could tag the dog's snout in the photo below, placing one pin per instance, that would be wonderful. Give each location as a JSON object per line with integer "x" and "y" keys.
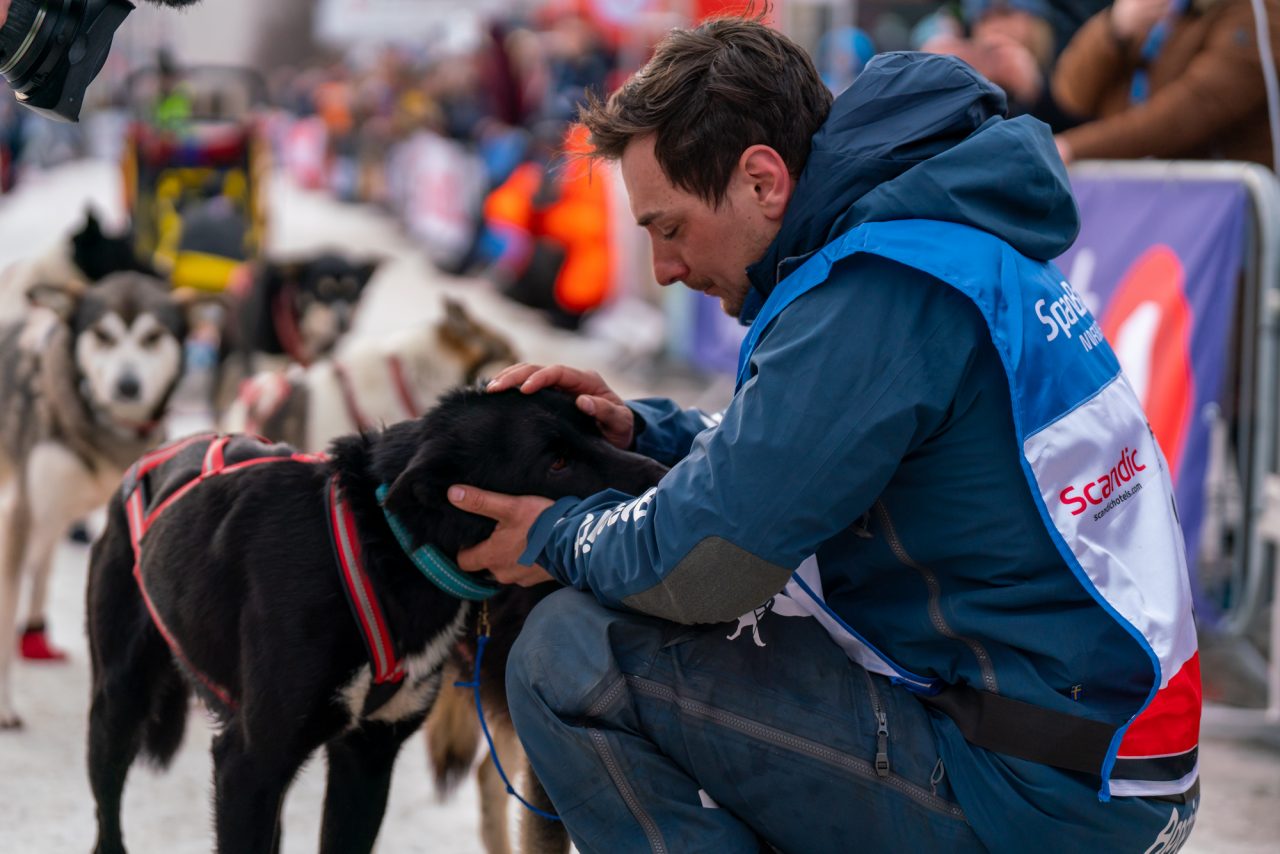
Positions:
{"x": 128, "y": 387}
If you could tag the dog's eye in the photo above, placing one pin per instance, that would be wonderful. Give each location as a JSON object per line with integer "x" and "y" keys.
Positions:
{"x": 152, "y": 339}
{"x": 103, "y": 337}
{"x": 328, "y": 288}
{"x": 559, "y": 464}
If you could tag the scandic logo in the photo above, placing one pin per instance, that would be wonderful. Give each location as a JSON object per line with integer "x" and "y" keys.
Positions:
{"x": 1100, "y": 488}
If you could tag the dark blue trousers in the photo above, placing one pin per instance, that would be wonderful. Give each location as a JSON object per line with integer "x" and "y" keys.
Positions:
{"x": 652, "y": 736}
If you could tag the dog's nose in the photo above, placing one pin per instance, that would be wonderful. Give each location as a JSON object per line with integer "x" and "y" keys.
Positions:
{"x": 128, "y": 387}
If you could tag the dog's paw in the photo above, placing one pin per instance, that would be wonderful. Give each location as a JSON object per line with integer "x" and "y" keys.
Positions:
{"x": 34, "y": 646}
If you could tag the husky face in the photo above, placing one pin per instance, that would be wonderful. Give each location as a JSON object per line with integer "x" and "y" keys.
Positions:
{"x": 327, "y": 289}
{"x": 126, "y": 339}
{"x": 129, "y": 366}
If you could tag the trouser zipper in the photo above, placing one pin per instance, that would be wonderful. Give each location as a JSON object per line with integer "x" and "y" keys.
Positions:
{"x": 798, "y": 744}
{"x": 882, "y": 728}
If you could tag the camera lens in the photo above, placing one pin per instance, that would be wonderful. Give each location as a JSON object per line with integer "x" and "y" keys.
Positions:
{"x": 51, "y": 51}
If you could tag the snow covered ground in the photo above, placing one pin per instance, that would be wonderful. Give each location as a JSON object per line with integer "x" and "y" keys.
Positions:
{"x": 45, "y": 804}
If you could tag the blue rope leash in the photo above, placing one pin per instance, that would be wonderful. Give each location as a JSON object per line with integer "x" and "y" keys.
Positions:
{"x": 482, "y": 639}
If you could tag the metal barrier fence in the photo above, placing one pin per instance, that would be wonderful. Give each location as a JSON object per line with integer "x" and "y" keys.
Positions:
{"x": 1240, "y": 562}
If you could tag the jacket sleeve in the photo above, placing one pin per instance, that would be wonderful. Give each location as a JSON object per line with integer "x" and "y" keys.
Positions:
{"x": 847, "y": 381}
{"x": 664, "y": 431}
{"x": 1089, "y": 67}
{"x": 1221, "y": 86}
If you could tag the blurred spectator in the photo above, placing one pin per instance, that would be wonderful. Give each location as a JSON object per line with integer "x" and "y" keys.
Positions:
{"x": 578, "y": 59}
{"x": 842, "y": 53}
{"x": 1156, "y": 80}
{"x": 547, "y": 230}
{"x": 12, "y": 118}
{"x": 1013, "y": 43}
{"x": 172, "y": 107}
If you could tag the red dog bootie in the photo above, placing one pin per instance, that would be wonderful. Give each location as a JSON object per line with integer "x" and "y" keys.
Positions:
{"x": 34, "y": 645}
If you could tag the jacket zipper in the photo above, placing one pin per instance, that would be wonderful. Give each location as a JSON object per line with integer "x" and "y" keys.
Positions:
{"x": 882, "y": 728}
{"x": 935, "y": 601}
{"x": 796, "y": 744}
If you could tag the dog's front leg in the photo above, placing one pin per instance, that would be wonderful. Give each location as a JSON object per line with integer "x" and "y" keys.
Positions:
{"x": 13, "y": 526}
{"x": 249, "y": 792}
{"x": 355, "y": 798}
{"x": 59, "y": 490}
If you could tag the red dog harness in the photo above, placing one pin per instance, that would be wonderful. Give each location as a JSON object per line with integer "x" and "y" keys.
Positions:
{"x": 386, "y": 666}
{"x": 403, "y": 393}
{"x": 263, "y": 397}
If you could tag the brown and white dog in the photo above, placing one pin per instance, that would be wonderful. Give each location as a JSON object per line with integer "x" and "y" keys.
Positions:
{"x": 370, "y": 383}
{"x": 85, "y": 383}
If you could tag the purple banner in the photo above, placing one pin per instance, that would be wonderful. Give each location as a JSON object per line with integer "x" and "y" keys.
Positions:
{"x": 1159, "y": 265}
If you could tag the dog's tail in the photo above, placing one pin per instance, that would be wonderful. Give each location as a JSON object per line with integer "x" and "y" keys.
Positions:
{"x": 453, "y": 732}
{"x": 134, "y": 672}
{"x": 166, "y": 719}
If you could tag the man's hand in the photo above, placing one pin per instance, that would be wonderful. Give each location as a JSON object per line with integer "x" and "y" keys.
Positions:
{"x": 595, "y": 398}
{"x": 515, "y": 515}
{"x": 1010, "y": 65}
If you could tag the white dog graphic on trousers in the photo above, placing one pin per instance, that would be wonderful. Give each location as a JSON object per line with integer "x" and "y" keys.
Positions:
{"x": 782, "y": 605}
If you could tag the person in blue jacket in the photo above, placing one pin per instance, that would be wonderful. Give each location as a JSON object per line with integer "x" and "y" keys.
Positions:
{"x": 921, "y": 585}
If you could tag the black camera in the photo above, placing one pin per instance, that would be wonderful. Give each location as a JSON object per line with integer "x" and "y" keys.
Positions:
{"x": 50, "y": 51}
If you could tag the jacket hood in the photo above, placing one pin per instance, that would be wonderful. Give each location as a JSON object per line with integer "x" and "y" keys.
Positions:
{"x": 923, "y": 136}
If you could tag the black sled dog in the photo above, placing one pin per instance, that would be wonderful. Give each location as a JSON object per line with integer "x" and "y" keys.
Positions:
{"x": 275, "y": 585}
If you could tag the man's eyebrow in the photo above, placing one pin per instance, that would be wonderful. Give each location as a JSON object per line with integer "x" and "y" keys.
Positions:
{"x": 648, "y": 218}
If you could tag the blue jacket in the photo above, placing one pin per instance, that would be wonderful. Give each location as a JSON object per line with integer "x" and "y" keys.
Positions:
{"x": 873, "y": 426}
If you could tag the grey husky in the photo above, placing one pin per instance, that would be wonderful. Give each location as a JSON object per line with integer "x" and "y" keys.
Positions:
{"x": 85, "y": 378}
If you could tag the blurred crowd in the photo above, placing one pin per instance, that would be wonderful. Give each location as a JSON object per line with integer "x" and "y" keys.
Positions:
{"x": 474, "y": 150}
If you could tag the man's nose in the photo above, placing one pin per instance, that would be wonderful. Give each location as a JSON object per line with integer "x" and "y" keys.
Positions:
{"x": 668, "y": 271}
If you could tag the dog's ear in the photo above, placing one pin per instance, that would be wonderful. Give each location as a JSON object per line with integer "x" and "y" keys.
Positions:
{"x": 365, "y": 270}
{"x": 60, "y": 298}
{"x": 417, "y": 498}
{"x": 456, "y": 319}
{"x": 279, "y": 273}
{"x": 479, "y": 346}
{"x": 422, "y": 484}
{"x": 91, "y": 226}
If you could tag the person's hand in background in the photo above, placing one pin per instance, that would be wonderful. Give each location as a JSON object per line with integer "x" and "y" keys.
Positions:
{"x": 1132, "y": 19}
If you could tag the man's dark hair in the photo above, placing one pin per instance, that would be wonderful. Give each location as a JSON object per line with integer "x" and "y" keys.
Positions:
{"x": 708, "y": 94}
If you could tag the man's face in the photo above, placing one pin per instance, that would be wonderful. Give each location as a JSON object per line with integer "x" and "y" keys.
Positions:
{"x": 707, "y": 248}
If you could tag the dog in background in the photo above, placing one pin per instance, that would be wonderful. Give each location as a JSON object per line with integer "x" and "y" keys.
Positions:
{"x": 81, "y": 403}
{"x": 453, "y": 732}
{"x": 297, "y": 310}
{"x": 231, "y": 598}
{"x": 87, "y": 256}
{"x": 369, "y": 383}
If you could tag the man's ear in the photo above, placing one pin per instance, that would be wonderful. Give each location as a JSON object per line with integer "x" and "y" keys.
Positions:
{"x": 61, "y": 298}
{"x": 767, "y": 179}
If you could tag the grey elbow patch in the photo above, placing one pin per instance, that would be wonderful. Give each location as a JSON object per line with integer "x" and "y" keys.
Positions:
{"x": 716, "y": 581}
